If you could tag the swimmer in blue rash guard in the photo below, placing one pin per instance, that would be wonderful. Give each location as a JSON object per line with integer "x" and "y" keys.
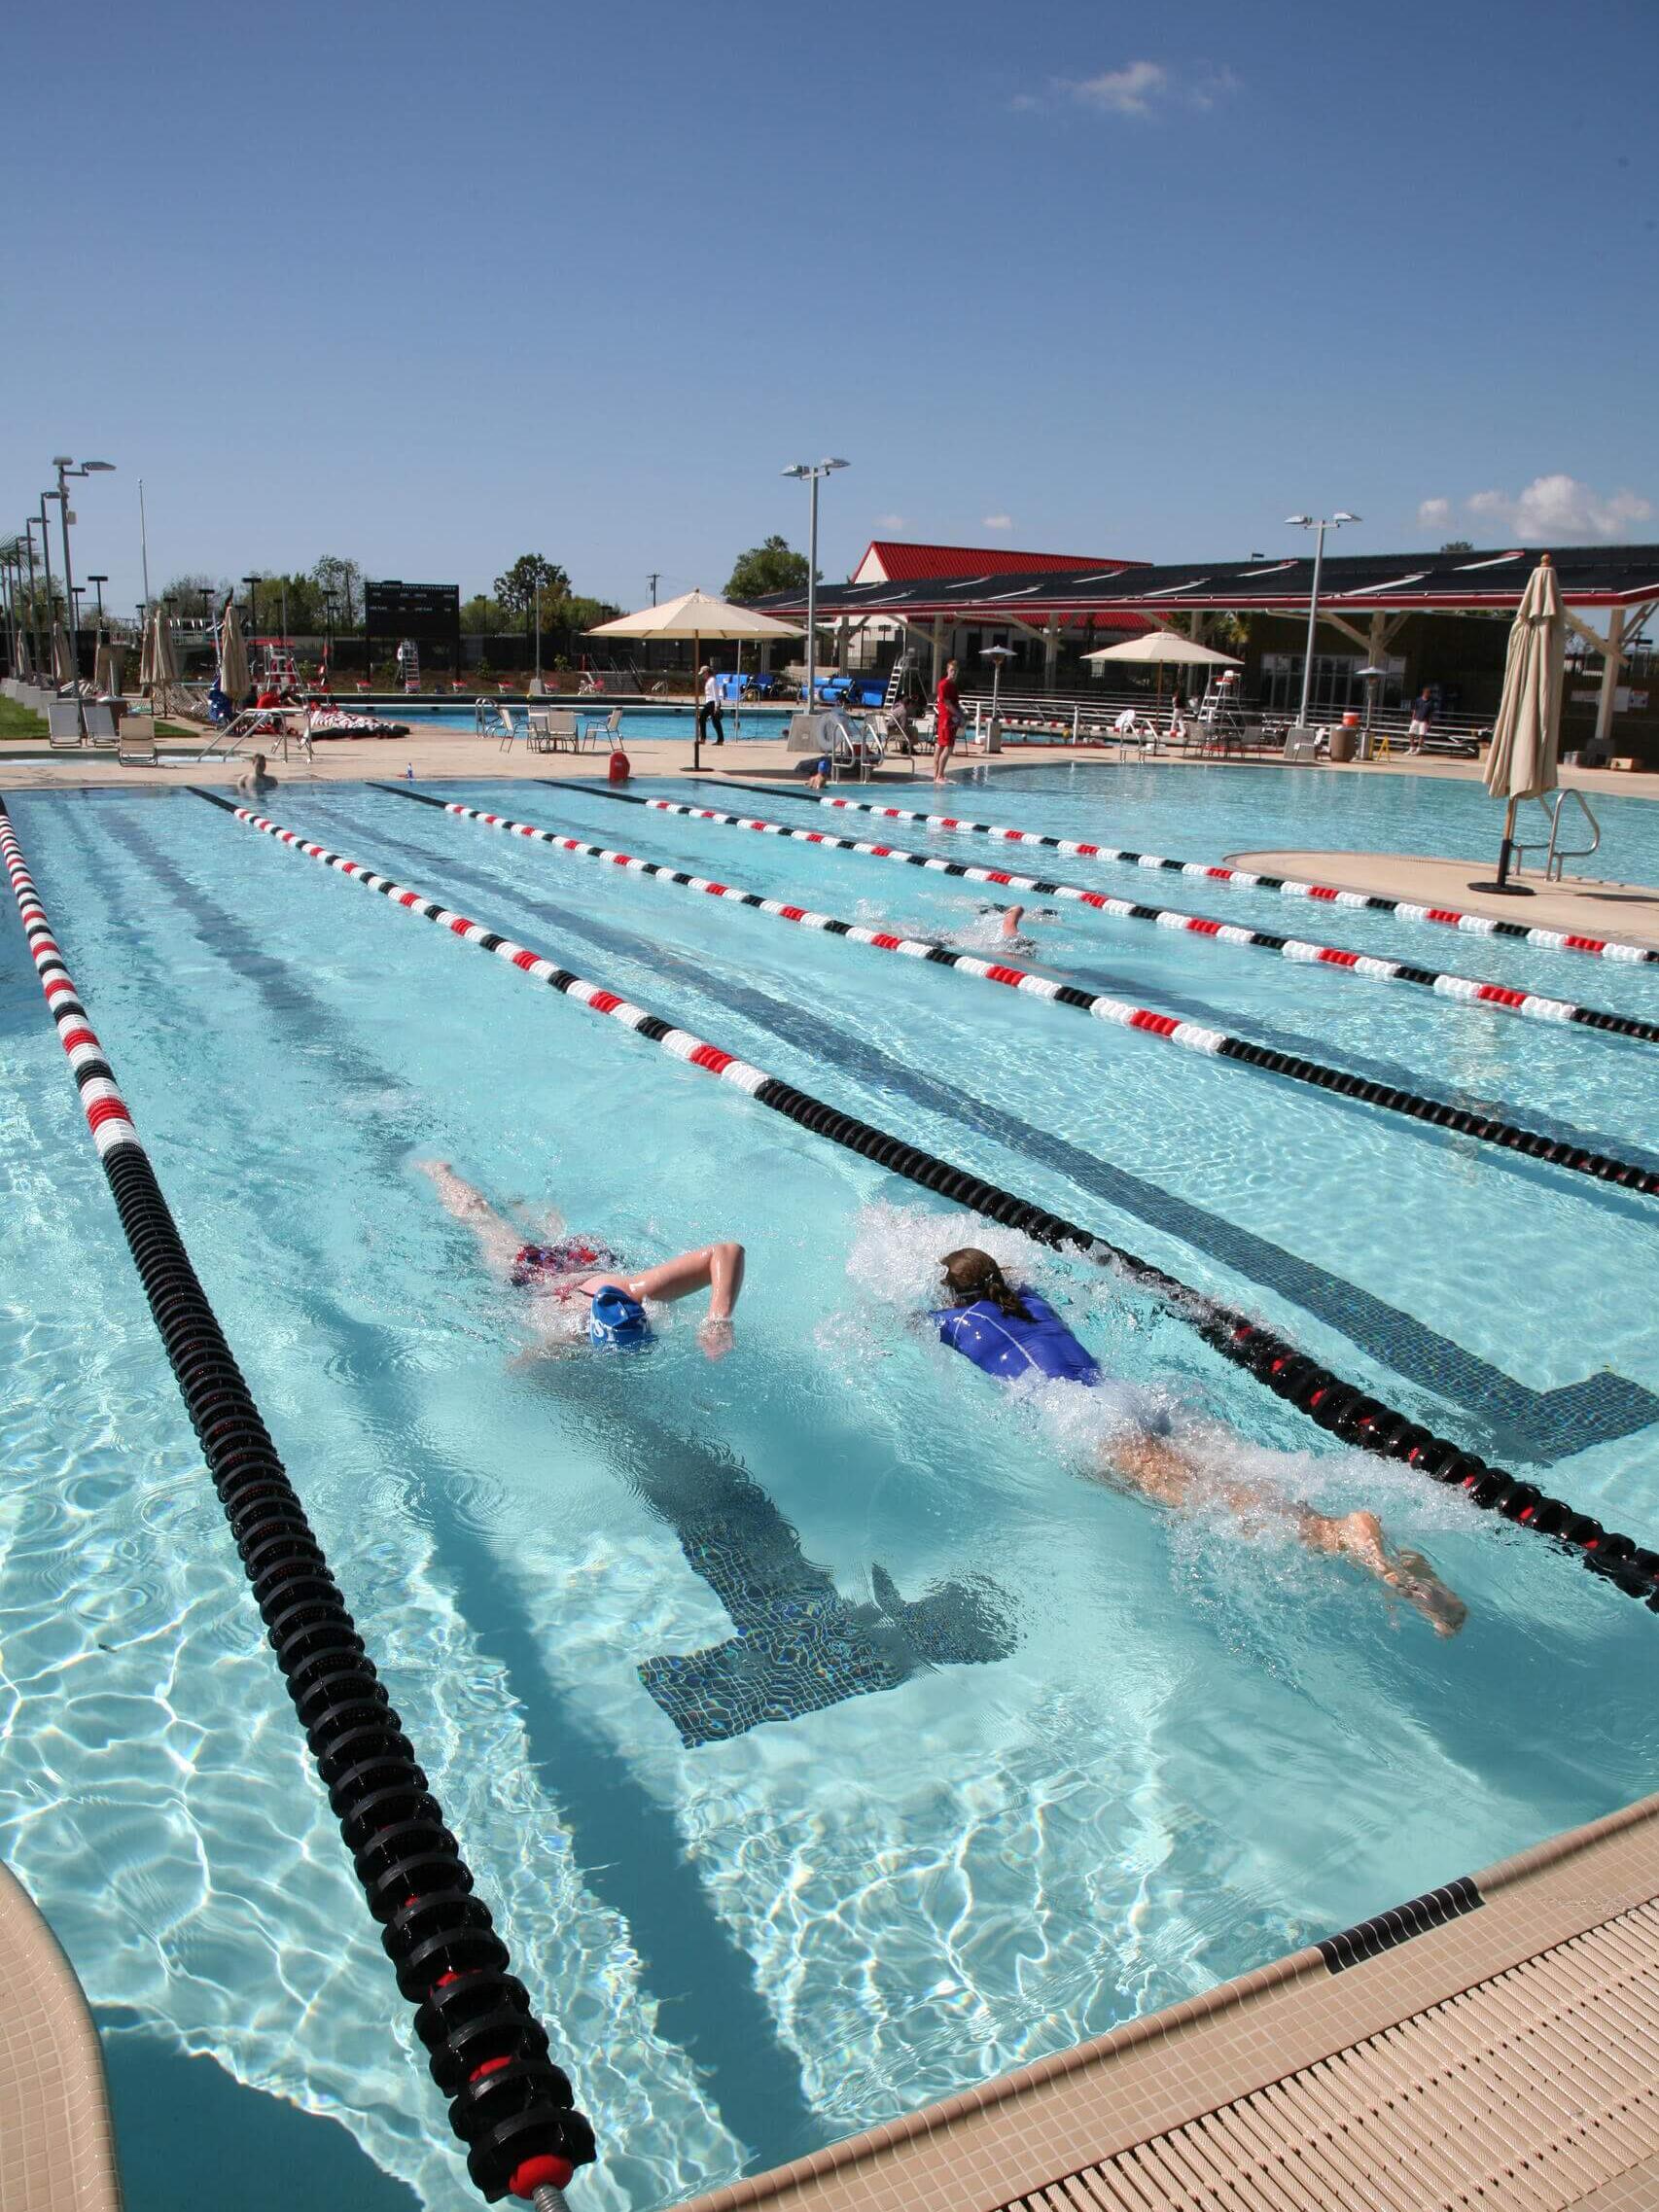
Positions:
{"x": 1012, "y": 1333}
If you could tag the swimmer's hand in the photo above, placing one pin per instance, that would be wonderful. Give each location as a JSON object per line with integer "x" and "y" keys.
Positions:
{"x": 717, "y": 1337}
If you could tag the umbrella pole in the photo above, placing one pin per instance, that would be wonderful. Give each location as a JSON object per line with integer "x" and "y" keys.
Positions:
{"x": 1506, "y": 846}
{"x": 696, "y": 709}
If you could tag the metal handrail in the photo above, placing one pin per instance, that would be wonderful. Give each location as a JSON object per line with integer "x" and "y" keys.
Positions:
{"x": 1555, "y": 859}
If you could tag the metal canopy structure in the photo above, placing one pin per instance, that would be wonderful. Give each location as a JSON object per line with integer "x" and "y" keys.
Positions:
{"x": 1468, "y": 583}
{"x": 1381, "y": 588}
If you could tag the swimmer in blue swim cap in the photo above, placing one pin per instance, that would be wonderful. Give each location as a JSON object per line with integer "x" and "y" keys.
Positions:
{"x": 575, "y": 1278}
{"x": 1010, "y": 1332}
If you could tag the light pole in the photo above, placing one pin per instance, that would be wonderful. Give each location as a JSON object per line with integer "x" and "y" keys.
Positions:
{"x": 537, "y": 637}
{"x": 67, "y": 467}
{"x": 996, "y": 656}
{"x": 144, "y": 547}
{"x": 252, "y": 582}
{"x": 51, "y": 601}
{"x": 1320, "y": 524}
{"x": 34, "y": 603}
{"x": 812, "y": 470}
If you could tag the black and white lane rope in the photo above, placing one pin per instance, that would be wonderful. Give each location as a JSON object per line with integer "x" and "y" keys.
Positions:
{"x": 1244, "y": 879}
{"x": 1349, "y": 1414}
{"x": 1194, "y": 1036}
{"x": 1461, "y": 990}
{"x": 509, "y": 2103}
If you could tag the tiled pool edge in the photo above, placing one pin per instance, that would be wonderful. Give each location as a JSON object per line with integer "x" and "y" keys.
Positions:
{"x": 56, "y": 2137}
{"x": 1014, "y": 2136}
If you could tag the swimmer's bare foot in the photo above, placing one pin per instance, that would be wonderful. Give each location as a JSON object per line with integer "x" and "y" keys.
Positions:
{"x": 1359, "y": 1536}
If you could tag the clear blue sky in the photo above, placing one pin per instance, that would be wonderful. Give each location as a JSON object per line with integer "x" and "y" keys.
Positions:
{"x": 434, "y": 287}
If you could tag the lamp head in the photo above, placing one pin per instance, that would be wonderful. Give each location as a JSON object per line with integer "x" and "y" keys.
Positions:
{"x": 1300, "y": 521}
{"x": 108, "y": 467}
{"x": 63, "y": 461}
{"x": 1342, "y": 515}
{"x": 834, "y": 464}
{"x": 801, "y": 468}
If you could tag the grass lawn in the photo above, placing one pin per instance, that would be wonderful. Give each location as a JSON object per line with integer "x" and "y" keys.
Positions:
{"x": 19, "y": 721}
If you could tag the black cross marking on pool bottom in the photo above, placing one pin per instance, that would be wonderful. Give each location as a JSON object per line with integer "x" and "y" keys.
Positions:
{"x": 800, "y": 1645}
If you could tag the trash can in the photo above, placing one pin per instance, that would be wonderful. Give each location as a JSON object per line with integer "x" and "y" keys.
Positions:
{"x": 1342, "y": 741}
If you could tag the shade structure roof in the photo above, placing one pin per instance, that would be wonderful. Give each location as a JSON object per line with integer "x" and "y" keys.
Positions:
{"x": 697, "y": 614}
{"x": 904, "y": 561}
{"x": 1472, "y": 582}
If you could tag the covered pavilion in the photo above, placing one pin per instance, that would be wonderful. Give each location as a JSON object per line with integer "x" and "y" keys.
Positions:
{"x": 1363, "y": 599}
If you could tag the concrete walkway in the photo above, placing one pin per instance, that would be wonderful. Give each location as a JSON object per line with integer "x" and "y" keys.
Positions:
{"x": 1496, "y": 2043}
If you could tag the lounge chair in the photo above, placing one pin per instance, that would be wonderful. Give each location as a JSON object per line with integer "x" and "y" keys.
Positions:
{"x": 101, "y": 724}
{"x": 135, "y": 743}
{"x": 62, "y": 723}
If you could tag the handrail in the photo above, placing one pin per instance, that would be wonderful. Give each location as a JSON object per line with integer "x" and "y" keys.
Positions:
{"x": 1555, "y": 858}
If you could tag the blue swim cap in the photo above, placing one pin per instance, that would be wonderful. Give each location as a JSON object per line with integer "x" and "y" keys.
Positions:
{"x": 618, "y": 1321}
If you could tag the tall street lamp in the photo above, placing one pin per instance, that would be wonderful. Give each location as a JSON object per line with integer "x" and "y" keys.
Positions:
{"x": 252, "y": 582}
{"x": 98, "y": 582}
{"x": 812, "y": 470}
{"x": 67, "y": 467}
{"x": 34, "y": 603}
{"x": 1320, "y": 524}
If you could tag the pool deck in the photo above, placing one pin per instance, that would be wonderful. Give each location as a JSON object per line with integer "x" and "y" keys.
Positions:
{"x": 439, "y": 751}
{"x": 1495, "y": 2042}
{"x": 57, "y": 2140}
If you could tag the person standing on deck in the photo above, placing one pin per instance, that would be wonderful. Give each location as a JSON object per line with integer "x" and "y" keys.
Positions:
{"x": 947, "y": 720}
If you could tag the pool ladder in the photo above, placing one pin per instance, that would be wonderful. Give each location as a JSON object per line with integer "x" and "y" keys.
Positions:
{"x": 1556, "y": 855}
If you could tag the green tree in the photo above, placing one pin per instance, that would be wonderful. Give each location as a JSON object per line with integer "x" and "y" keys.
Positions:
{"x": 185, "y": 591}
{"x": 344, "y": 579}
{"x": 482, "y": 616}
{"x": 1458, "y": 545}
{"x": 517, "y": 587}
{"x": 767, "y": 567}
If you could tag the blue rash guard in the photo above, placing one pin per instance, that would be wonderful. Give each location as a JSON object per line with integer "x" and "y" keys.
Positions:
{"x": 1008, "y": 1347}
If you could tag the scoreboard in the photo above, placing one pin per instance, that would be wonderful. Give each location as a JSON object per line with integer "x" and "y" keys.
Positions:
{"x": 428, "y": 612}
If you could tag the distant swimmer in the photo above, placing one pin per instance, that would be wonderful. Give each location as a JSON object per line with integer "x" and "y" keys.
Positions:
{"x": 256, "y": 780}
{"x": 1015, "y": 1335}
{"x": 572, "y": 1280}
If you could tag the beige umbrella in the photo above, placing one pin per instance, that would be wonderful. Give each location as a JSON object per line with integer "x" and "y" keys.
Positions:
{"x": 106, "y": 669}
{"x": 63, "y": 669}
{"x": 1525, "y": 737}
{"x": 697, "y": 616}
{"x": 1166, "y": 645}
{"x": 146, "y": 657}
{"x": 233, "y": 677}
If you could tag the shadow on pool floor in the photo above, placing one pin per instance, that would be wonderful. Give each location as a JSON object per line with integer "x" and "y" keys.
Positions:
{"x": 188, "y": 2133}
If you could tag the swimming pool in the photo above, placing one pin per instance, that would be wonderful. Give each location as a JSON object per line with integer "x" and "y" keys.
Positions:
{"x": 1116, "y": 1756}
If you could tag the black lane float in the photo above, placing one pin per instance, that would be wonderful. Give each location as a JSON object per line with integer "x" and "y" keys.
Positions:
{"x": 1353, "y": 1416}
{"x": 1458, "y": 990}
{"x": 509, "y": 2103}
{"x": 1194, "y": 1036}
{"x": 1246, "y": 879}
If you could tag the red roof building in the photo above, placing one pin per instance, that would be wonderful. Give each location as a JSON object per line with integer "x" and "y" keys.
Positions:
{"x": 889, "y": 560}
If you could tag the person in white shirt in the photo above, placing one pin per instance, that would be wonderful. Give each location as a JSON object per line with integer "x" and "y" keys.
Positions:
{"x": 708, "y": 706}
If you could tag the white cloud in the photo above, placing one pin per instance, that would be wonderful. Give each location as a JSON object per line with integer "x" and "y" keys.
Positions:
{"x": 997, "y": 521}
{"x": 1559, "y": 511}
{"x": 890, "y": 522}
{"x": 1143, "y": 89}
{"x": 1129, "y": 90}
{"x": 1434, "y": 514}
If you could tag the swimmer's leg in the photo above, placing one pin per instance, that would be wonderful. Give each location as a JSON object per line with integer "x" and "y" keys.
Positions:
{"x": 1160, "y": 1471}
{"x": 499, "y": 1241}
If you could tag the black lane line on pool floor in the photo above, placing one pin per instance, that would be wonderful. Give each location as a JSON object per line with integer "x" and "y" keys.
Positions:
{"x": 625, "y": 1842}
{"x": 1465, "y": 991}
{"x": 508, "y": 2102}
{"x": 1235, "y": 879}
{"x": 1437, "y": 1113}
{"x": 1539, "y": 1426}
{"x": 1333, "y": 1405}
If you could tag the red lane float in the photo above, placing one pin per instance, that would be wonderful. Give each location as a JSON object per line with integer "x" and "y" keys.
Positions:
{"x": 1192, "y": 1035}
{"x": 1243, "y": 879}
{"x": 1333, "y": 1405}
{"x": 1460, "y": 990}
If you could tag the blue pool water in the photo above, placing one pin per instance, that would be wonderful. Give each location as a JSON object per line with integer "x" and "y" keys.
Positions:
{"x": 1092, "y": 1757}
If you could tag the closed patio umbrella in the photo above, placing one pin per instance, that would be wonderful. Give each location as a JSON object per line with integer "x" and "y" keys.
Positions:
{"x": 1526, "y": 738}
{"x": 63, "y": 669}
{"x": 146, "y": 657}
{"x": 233, "y": 677}
{"x": 703, "y": 619}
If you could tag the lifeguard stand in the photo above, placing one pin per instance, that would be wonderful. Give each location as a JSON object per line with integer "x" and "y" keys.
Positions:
{"x": 408, "y": 664}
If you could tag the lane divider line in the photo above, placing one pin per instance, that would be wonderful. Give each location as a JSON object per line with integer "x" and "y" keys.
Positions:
{"x": 1460, "y": 990}
{"x": 1241, "y": 879}
{"x": 509, "y": 2103}
{"x": 1338, "y": 1407}
{"x": 1194, "y": 1036}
